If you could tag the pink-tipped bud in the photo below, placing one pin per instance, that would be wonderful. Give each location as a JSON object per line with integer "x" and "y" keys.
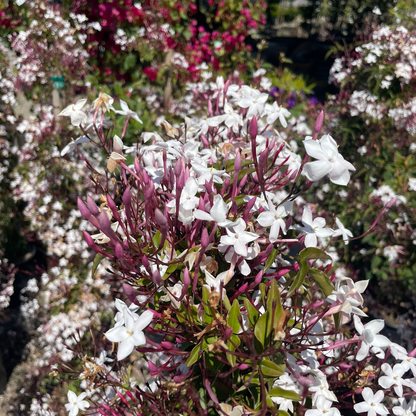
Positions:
{"x": 237, "y": 161}
{"x": 263, "y": 159}
{"x": 186, "y": 283}
{"x": 318, "y": 125}
{"x": 160, "y": 219}
{"x": 179, "y": 167}
{"x": 204, "y": 239}
{"x": 226, "y": 85}
{"x": 111, "y": 204}
{"x": 130, "y": 293}
{"x": 305, "y": 381}
{"x": 94, "y": 246}
{"x": 210, "y": 108}
{"x": 253, "y": 128}
{"x": 145, "y": 262}
{"x": 88, "y": 239}
{"x": 293, "y": 175}
{"x": 92, "y": 206}
{"x": 166, "y": 345}
{"x": 85, "y": 212}
{"x": 157, "y": 278}
{"x": 186, "y": 278}
{"x": 118, "y": 251}
{"x": 137, "y": 166}
{"x": 243, "y": 366}
{"x": 127, "y": 197}
{"x": 105, "y": 223}
{"x": 257, "y": 280}
{"x": 204, "y": 141}
{"x": 153, "y": 368}
{"x": 122, "y": 398}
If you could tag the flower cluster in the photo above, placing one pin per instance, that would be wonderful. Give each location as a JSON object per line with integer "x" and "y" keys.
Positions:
{"x": 375, "y": 105}
{"x": 218, "y": 254}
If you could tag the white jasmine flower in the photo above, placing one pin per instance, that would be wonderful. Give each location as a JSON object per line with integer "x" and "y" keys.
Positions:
{"x": 393, "y": 378}
{"x": 239, "y": 238}
{"x": 130, "y": 334}
{"x": 125, "y": 111}
{"x": 74, "y": 111}
{"x": 323, "y": 408}
{"x": 274, "y": 219}
{"x": 71, "y": 146}
{"x": 313, "y": 228}
{"x": 329, "y": 161}
{"x": 342, "y": 231}
{"x": 370, "y": 338}
{"x": 76, "y": 403}
{"x": 372, "y": 403}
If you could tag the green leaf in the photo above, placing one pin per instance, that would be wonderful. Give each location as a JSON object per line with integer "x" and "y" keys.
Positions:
{"x": 270, "y": 260}
{"x": 226, "y": 303}
{"x": 323, "y": 281}
{"x": 271, "y": 369}
{"x": 304, "y": 256}
{"x": 232, "y": 344}
{"x": 252, "y": 312}
{"x": 157, "y": 238}
{"x": 233, "y": 317}
{"x": 97, "y": 260}
{"x": 246, "y": 171}
{"x": 286, "y": 394}
{"x": 313, "y": 253}
{"x": 274, "y": 305}
{"x": 208, "y": 318}
{"x": 170, "y": 270}
{"x": 263, "y": 328}
{"x": 193, "y": 357}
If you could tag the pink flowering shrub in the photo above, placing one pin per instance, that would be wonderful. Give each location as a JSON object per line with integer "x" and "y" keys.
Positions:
{"x": 141, "y": 34}
{"x": 231, "y": 298}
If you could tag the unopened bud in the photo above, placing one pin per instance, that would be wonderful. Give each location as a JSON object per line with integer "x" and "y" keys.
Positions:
{"x": 92, "y": 206}
{"x": 318, "y": 125}
{"x": 253, "y": 128}
{"x": 127, "y": 197}
{"x": 85, "y": 212}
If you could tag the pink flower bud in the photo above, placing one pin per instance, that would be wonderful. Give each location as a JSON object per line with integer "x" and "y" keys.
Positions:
{"x": 94, "y": 246}
{"x": 157, "y": 278}
{"x": 166, "y": 345}
{"x": 83, "y": 209}
{"x": 122, "y": 398}
{"x": 137, "y": 166}
{"x": 160, "y": 219}
{"x": 253, "y": 128}
{"x": 127, "y": 197}
{"x": 237, "y": 161}
{"x": 318, "y": 125}
{"x": 111, "y": 204}
{"x": 204, "y": 239}
{"x": 145, "y": 262}
{"x": 153, "y": 368}
{"x": 92, "y": 206}
{"x": 186, "y": 282}
{"x": 118, "y": 251}
{"x": 130, "y": 293}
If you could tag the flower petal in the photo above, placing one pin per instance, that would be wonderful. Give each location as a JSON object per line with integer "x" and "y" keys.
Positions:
{"x": 317, "y": 170}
